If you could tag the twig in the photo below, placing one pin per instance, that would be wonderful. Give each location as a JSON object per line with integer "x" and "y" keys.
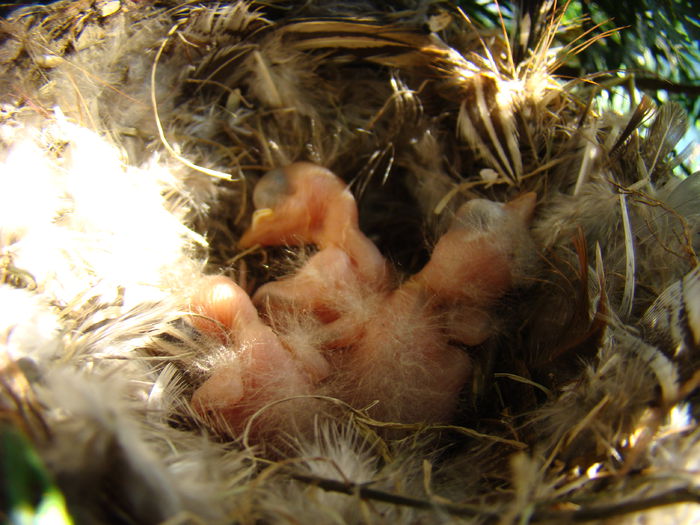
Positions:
{"x": 364, "y": 492}
{"x": 596, "y": 512}
{"x": 541, "y": 514}
{"x": 661, "y": 84}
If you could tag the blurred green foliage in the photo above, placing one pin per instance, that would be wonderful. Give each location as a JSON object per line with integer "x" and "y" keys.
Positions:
{"x": 658, "y": 42}
{"x": 28, "y": 495}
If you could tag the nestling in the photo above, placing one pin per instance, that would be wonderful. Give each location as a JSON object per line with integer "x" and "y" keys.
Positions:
{"x": 365, "y": 339}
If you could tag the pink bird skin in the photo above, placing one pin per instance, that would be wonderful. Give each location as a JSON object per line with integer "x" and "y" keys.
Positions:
{"x": 364, "y": 340}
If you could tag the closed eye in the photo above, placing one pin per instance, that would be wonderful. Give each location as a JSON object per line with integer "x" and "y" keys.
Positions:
{"x": 271, "y": 188}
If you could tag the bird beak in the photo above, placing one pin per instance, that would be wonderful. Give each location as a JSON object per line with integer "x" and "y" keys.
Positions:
{"x": 258, "y": 227}
{"x": 523, "y": 206}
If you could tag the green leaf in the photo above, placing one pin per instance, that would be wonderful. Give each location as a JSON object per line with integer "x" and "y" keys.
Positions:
{"x": 29, "y": 493}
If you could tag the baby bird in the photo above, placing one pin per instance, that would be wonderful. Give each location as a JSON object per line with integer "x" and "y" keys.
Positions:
{"x": 367, "y": 342}
{"x": 307, "y": 204}
{"x": 259, "y": 369}
{"x": 406, "y": 355}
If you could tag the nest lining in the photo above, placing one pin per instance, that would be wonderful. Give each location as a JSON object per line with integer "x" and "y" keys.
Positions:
{"x": 582, "y": 406}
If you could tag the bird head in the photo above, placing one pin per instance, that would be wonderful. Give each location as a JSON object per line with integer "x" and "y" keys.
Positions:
{"x": 299, "y": 204}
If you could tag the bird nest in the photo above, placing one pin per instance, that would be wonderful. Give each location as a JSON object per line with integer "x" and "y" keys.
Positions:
{"x": 133, "y": 135}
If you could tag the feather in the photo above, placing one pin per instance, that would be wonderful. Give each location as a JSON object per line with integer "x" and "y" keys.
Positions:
{"x": 342, "y": 456}
{"x": 165, "y": 394}
{"x": 388, "y": 45}
{"x": 684, "y": 197}
{"x": 641, "y": 112}
{"x": 220, "y": 26}
{"x": 96, "y": 444}
{"x": 531, "y": 22}
{"x": 591, "y": 152}
{"x": 673, "y": 321}
{"x": 667, "y": 129}
{"x": 490, "y": 115}
{"x": 596, "y": 413}
{"x": 630, "y": 268}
